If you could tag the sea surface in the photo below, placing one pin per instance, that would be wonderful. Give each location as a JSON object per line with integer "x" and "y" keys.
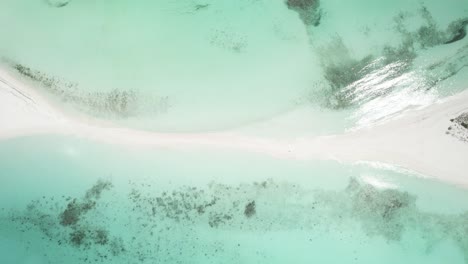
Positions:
{"x": 197, "y": 65}
{"x": 205, "y": 65}
{"x": 68, "y": 200}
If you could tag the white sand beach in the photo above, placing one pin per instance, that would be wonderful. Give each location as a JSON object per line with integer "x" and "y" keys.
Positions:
{"x": 416, "y": 141}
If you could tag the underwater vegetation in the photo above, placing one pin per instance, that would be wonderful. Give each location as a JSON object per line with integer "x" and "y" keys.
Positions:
{"x": 70, "y": 224}
{"x": 116, "y": 103}
{"x": 354, "y": 81}
{"x": 170, "y": 225}
{"x": 429, "y": 34}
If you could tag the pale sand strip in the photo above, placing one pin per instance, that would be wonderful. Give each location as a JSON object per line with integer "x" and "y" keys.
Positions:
{"x": 416, "y": 141}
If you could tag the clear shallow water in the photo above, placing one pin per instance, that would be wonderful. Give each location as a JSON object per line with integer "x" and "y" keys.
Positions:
{"x": 68, "y": 200}
{"x": 203, "y": 65}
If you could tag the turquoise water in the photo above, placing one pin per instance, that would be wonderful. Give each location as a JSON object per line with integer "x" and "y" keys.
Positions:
{"x": 67, "y": 200}
{"x": 194, "y": 65}
{"x": 205, "y": 65}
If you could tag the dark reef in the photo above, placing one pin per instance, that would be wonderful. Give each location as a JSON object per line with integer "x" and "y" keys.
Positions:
{"x": 114, "y": 104}
{"x": 309, "y": 11}
{"x": 348, "y": 78}
{"x": 459, "y": 127}
{"x": 76, "y": 209}
{"x": 250, "y": 209}
{"x": 167, "y": 225}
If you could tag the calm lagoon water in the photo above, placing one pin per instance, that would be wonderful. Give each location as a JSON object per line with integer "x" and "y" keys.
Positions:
{"x": 193, "y": 65}
{"x": 67, "y": 200}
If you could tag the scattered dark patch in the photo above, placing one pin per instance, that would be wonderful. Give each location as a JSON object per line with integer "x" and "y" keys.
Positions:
{"x": 71, "y": 215}
{"x": 309, "y": 11}
{"x": 217, "y": 219}
{"x": 341, "y": 71}
{"x": 262, "y": 184}
{"x": 404, "y": 53}
{"x": 115, "y": 103}
{"x": 340, "y": 76}
{"x": 429, "y": 34}
{"x": 177, "y": 205}
{"x": 57, "y": 3}
{"x": 250, "y": 209}
{"x": 380, "y": 210}
{"x": 457, "y": 31}
{"x": 346, "y": 73}
{"x": 75, "y": 209}
{"x": 101, "y": 236}
{"x": 201, "y": 208}
{"x": 97, "y": 189}
{"x": 77, "y": 237}
{"x": 163, "y": 225}
{"x": 201, "y": 6}
{"x": 459, "y": 127}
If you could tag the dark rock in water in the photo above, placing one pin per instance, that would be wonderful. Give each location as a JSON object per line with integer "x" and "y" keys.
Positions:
{"x": 308, "y": 10}
{"x": 429, "y": 35}
{"x": 380, "y": 210}
{"x": 301, "y": 4}
{"x": 458, "y": 31}
{"x": 462, "y": 120}
{"x": 250, "y": 209}
{"x": 460, "y": 34}
{"x": 200, "y": 7}
{"x": 459, "y": 129}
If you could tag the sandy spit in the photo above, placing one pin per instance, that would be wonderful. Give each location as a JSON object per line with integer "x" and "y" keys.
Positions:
{"x": 416, "y": 141}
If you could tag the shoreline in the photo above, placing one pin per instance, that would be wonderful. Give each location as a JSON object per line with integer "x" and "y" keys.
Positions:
{"x": 416, "y": 141}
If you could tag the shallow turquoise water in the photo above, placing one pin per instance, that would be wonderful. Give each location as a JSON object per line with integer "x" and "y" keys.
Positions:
{"x": 193, "y": 65}
{"x": 67, "y": 200}
{"x": 203, "y": 65}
